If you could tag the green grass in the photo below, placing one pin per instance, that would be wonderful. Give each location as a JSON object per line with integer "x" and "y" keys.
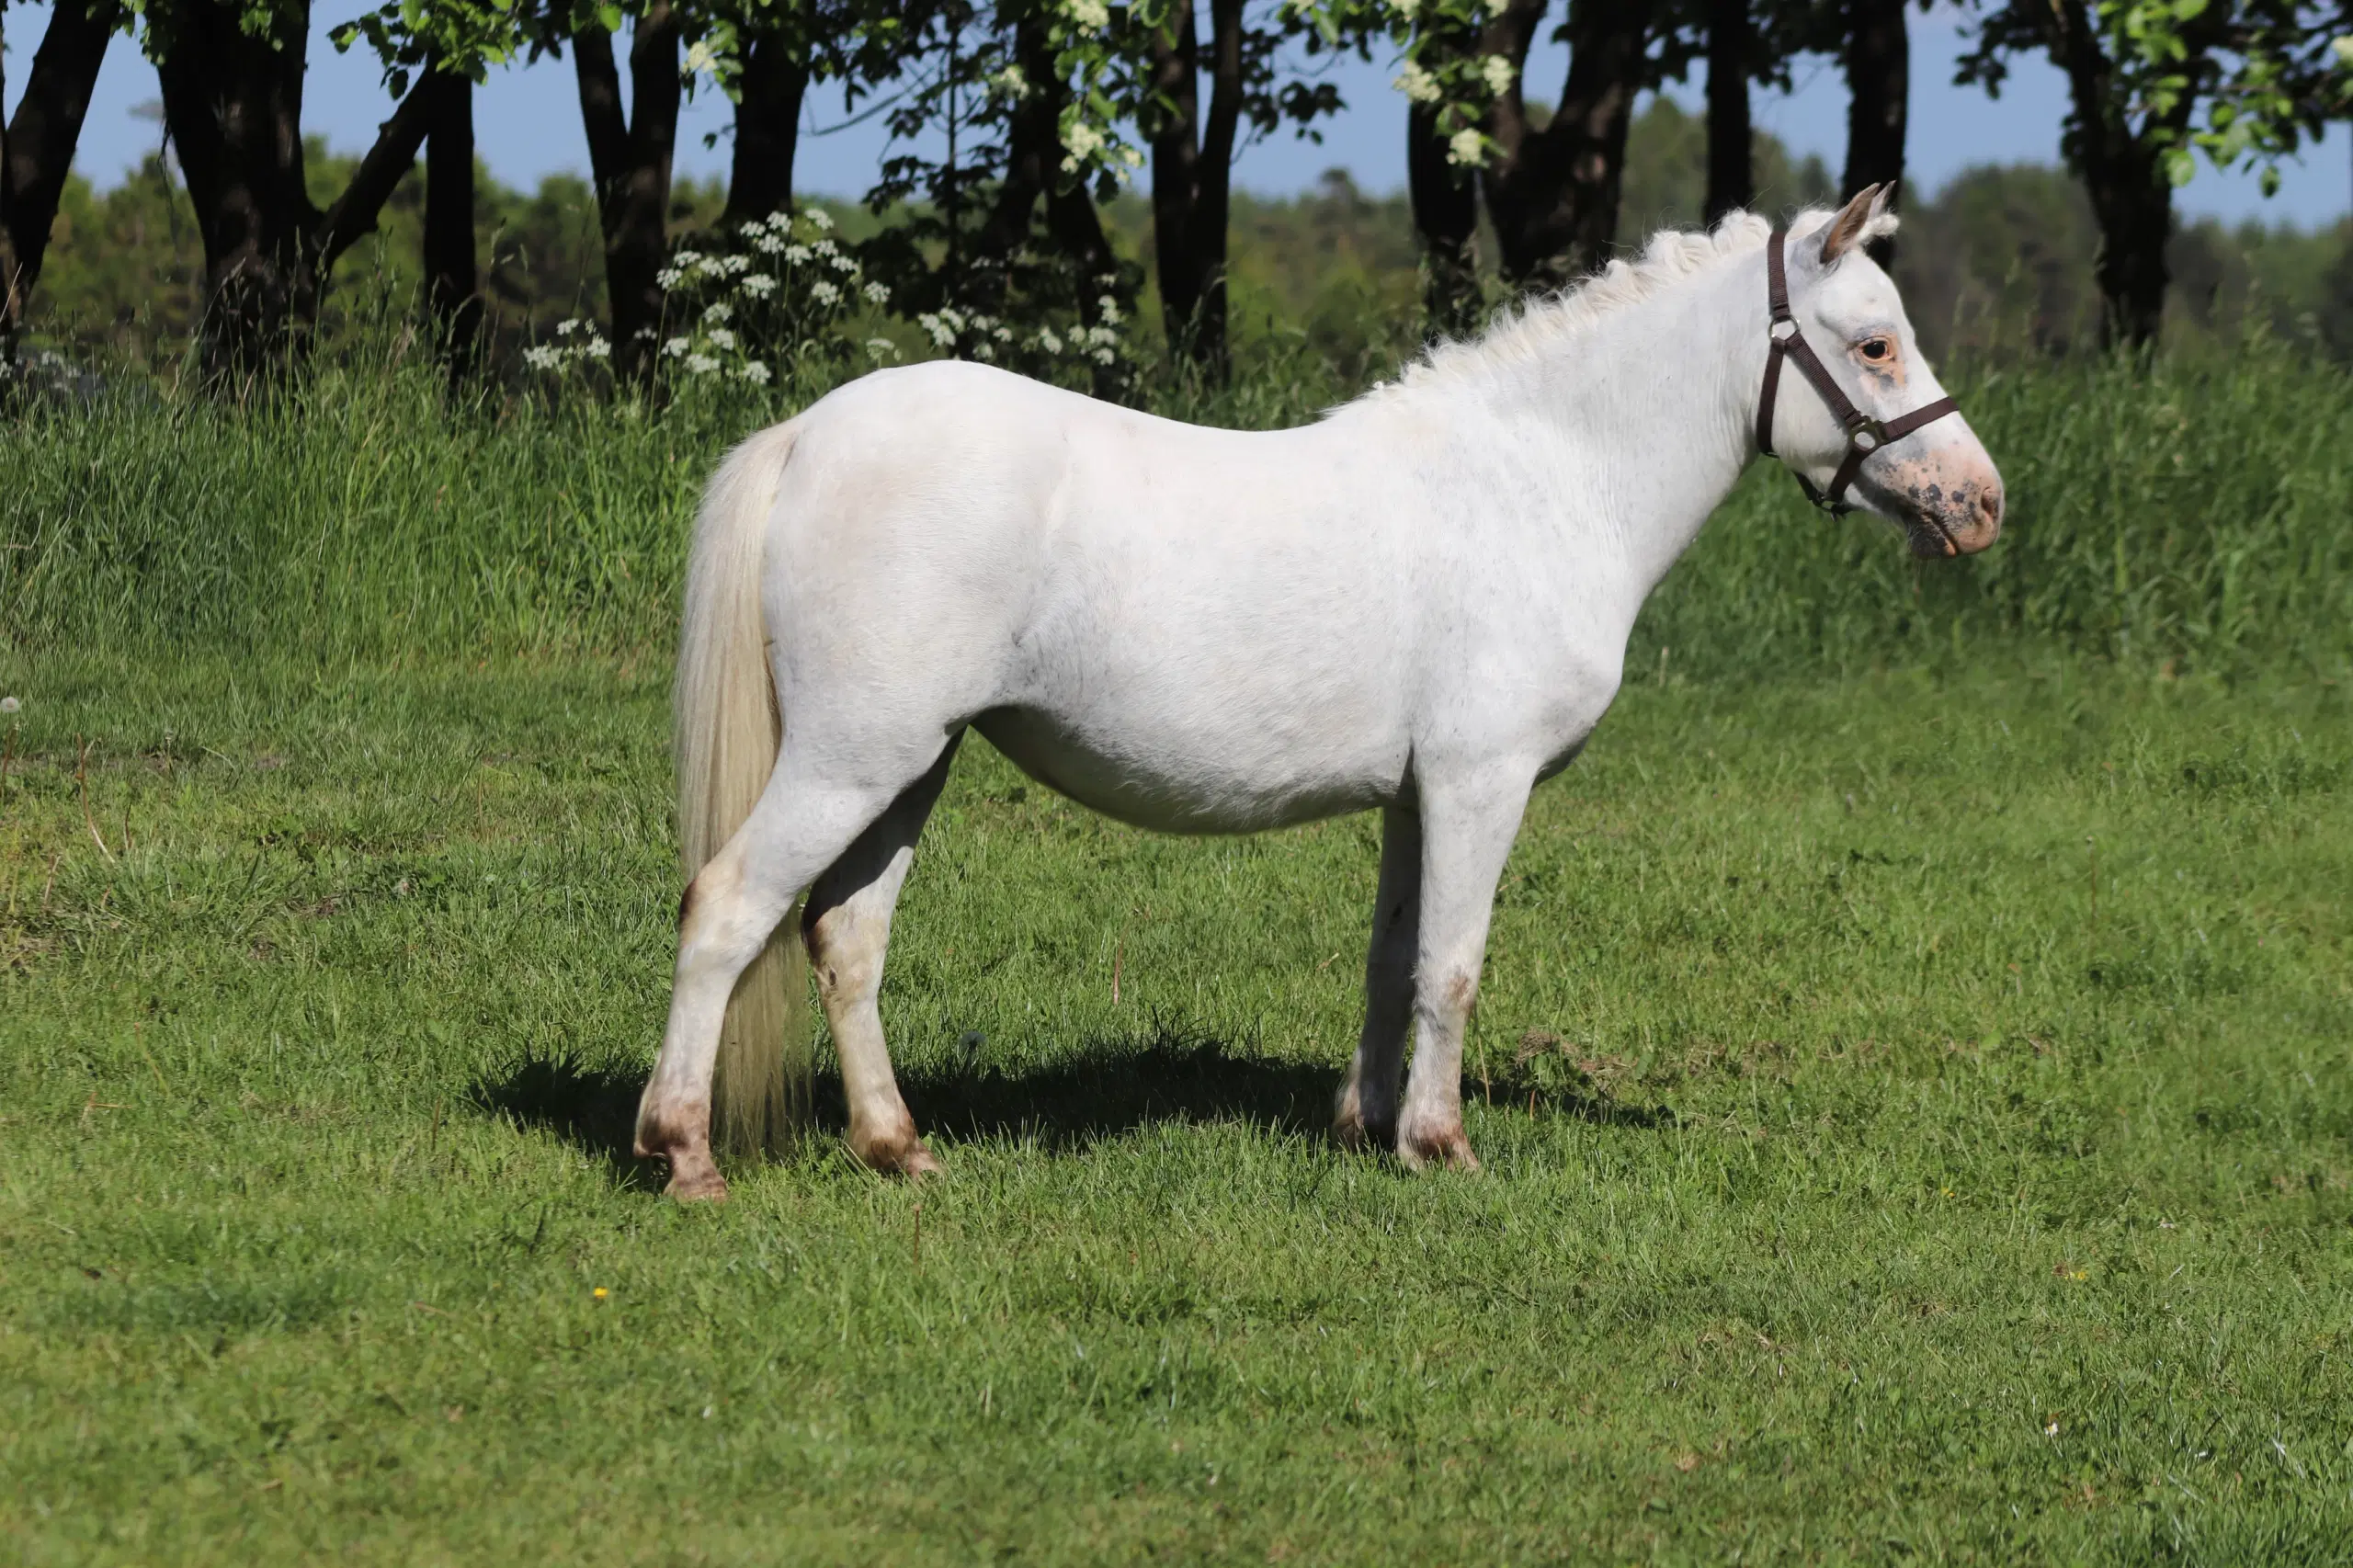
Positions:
{"x": 1888, "y": 1194}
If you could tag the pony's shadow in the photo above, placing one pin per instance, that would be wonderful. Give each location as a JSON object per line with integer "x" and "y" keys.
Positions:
{"x": 1105, "y": 1088}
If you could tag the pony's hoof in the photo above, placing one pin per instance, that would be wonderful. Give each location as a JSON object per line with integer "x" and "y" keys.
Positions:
{"x": 1446, "y": 1150}
{"x": 900, "y": 1155}
{"x": 694, "y": 1178}
{"x": 1352, "y": 1132}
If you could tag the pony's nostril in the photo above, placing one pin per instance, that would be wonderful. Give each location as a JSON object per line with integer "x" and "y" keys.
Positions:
{"x": 1989, "y": 502}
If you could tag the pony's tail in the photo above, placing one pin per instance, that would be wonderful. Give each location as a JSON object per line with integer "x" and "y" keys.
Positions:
{"x": 728, "y": 733}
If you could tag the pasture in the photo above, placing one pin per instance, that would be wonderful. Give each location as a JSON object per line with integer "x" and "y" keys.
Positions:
{"x": 1912, "y": 1067}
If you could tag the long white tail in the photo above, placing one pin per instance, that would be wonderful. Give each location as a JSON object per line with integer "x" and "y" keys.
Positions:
{"x": 727, "y": 735}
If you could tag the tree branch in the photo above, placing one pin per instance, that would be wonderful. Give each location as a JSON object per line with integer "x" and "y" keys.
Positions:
{"x": 354, "y": 212}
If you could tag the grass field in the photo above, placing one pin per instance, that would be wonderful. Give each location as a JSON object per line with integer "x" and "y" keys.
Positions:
{"x": 1916, "y": 1108}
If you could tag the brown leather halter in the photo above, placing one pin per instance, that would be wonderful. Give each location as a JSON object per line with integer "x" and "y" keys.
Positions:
{"x": 1865, "y": 435}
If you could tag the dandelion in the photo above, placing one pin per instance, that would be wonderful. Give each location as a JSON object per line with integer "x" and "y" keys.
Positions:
{"x": 877, "y": 294}
{"x": 1418, "y": 84}
{"x": 1466, "y": 147}
{"x": 754, "y": 372}
{"x": 759, "y": 285}
{"x": 700, "y": 364}
{"x": 539, "y": 358}
{"x": 600, "y": 1292}
{"x": 676, "y": 346}
{"x": 718, "y": 310}
{"x": 10, "y": 705}
{"x": 824, "y": 292}
{"x": 1498, "y": 72}
{"x": 722, "y": 339}
{"x": 882, "y": 348}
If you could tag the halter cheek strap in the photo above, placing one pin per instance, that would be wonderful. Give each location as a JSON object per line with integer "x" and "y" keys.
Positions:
{"x": 1865, "y": 435}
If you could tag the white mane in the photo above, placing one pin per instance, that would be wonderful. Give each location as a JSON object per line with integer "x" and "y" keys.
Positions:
{"x": 1538, "y": 326}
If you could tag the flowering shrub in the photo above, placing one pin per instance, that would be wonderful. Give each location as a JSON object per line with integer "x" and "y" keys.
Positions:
{"x": 782, "y": 295}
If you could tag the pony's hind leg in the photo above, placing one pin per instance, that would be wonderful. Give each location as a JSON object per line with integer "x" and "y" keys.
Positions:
{"x": 731, "y": 908}
{"x": 1366, "y": 1115}
{"x": 847, "y": 922}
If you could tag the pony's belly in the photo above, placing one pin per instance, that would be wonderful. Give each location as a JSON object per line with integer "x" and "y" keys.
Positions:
{"x": 1218, "y": 785}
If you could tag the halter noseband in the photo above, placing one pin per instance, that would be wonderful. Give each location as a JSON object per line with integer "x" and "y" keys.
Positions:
{"x": 1865, "y": 435}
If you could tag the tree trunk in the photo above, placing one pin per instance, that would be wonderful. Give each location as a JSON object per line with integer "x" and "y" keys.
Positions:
{"x": 628, "y": 157}
{"x": 768, "y": 131}
{"x": 1445, "y": 200}
{"x": 1879, "y": 84}
{"x": 37, "y": 146}
{"x": 1553, "y": 193}
{"x": 1192, "y": 175}
{"x": 452, "y": 286}
{"x": 2131, "y": 199}
{"x": 1732, "y": 180}
{"x": 233, "y": 103}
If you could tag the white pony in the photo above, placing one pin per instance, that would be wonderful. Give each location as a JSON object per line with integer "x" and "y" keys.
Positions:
{"x": 1419, "y": 603}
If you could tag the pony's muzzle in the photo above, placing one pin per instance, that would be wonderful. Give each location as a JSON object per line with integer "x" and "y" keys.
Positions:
{"x": 1947, "y": 510}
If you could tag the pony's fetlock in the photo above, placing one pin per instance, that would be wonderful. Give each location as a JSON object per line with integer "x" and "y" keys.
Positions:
{"x": 1438, "y": 1148}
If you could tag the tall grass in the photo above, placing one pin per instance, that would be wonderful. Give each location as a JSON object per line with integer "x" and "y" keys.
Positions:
{"x": 2190, "y": 511}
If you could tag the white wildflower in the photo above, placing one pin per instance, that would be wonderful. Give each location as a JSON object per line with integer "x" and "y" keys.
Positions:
{"x": 759, "y": 285}
{"x": 1132, "y": 156}
{"x": 1048, "y": 341}
{"x": 1105, "y": 357}
{"x": 823, "y": 247}
{"x": 1091, "y": 16}
{"x": 1466, "y": 147}
{"x": 1418, "y": 84}
{"x": 824, "y": 292}
{"x": 596, "y": 348}
{"x": 717, "y": 310}
{"x": 1003, "y": 334}
{"x": 796, "y": 254}
{"x": 689, "y": 259}
{"x": 877, "y": 294}
{"x": 767, "y": 244}
{"x": 1109, "y": 309}
{"x": 542, "y": 358}
{"x": 754, "y": 372}
{"x": 983, "y": 353}
{"x": 1010, "y": 83}
{"x": 880, "y": 349}
{"x": 1499, "y": 74}
{"x": 722, "y": 339}
{"x": 846, "y": 265}
{"x": 818, "y": 218}
{"x": 669, "y": 278}
{"x": 702, "y": 59}
{"x": 939, "y": 331}
{"x": 676, "y": 346}
{"x": 566, "y": 328}
{"x": 700, "y": 364}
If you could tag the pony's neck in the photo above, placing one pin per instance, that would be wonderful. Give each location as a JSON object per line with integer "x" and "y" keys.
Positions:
{"x": 1651, "y": 410}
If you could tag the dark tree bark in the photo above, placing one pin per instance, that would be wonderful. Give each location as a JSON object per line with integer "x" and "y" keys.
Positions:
{"x": 1553, "y": 193}
{"x": 1732, "y": 180}
{"x": 768, "y": 131}
{"x": 629, "y": 156}
{"x": 1879, "y": 82}
{"x": 232, "y": 100}
{"x": 1192, "y": 175}
{"x": 1445, "y": 200}
{"x": 452, "y": 283}
{"x": 2130, "y": 195}
{"x": 37, "y": 145}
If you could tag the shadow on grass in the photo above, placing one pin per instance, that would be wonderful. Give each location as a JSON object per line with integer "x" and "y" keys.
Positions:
{"x": 1105, "y": 1089}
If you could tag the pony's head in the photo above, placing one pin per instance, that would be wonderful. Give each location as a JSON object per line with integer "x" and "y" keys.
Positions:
{"x": 1934, "y": 481}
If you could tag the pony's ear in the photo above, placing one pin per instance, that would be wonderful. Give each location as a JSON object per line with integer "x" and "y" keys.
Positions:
{"x": 1858, "y": 219}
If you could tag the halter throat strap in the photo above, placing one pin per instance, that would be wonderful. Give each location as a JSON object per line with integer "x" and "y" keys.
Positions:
{"x": 1865, "y": 435}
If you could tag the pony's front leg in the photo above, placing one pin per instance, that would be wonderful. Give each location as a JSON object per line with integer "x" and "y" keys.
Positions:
{"x": 1366, "y": 1115}
{"x": 1468, "y": 825}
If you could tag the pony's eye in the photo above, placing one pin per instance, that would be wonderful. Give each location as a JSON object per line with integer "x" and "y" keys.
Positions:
{"x": 1876, "y": 349}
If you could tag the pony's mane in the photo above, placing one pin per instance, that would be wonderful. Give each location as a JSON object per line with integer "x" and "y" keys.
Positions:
{"x": 1539, "y": 325}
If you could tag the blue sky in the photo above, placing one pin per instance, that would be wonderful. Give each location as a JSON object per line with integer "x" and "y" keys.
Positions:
{"x": 528, "y": 124}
